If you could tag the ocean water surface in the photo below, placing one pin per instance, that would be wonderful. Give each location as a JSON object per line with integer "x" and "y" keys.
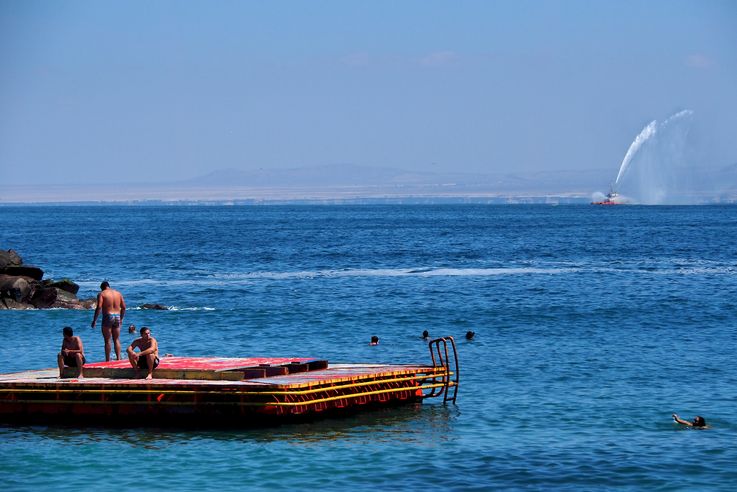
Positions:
{"x": 593, "y": 325}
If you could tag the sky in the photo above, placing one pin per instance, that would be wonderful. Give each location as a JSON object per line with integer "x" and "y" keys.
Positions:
{"x": 156, "y": 90}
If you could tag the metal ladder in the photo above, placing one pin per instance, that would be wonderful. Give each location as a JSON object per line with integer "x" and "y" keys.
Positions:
{"x": 441, "y": 358}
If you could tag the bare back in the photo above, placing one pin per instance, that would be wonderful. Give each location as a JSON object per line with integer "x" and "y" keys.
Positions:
{"x": 110, "y": 301}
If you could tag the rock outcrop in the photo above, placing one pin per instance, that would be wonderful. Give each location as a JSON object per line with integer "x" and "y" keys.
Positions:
{"x": 159, "y": 307}
{"x": 22, "y": 287}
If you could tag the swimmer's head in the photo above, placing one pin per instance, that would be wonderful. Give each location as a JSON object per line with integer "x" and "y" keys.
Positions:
{"x": 470, "y": 334}
{"x": 425, "y": 334}
{"x": 374, "y": 340}
{"x": 132, "y": 329}
{"x": 699, "y": 421}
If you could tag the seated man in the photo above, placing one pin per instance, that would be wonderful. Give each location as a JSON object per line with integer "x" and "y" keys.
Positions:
{"x": 72, "y": 352}
{"x": 148, "y": 355}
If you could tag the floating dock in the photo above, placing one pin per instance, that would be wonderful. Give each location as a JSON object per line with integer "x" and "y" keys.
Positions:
{"x": 206, "y": 391}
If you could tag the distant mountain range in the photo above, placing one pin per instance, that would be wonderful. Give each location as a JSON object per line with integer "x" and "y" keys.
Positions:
{"x": 332, "y": 176}
{"x": 347, "y": 183}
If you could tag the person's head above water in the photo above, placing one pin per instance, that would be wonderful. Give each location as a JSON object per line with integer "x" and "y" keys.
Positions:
{"x": 470, "y": 334}
{"x": 132, "y": 329}
{"x": 698, "y": 422}
{"x": 425, "y": 334}
{"x": 374, "y": 340}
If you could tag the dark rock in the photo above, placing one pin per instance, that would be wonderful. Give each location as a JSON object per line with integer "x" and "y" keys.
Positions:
{"x": 160, "y": 307}
{"x": 12, "y": 304}
{"x": 44, "y": 297}
{"x": 66, "y": 300}
{"x": 23, "y": 271}
{"x": 9, "y": 258}
{"x": 66, "y": 285}
{"x": 17, "y": 288}
{"x": 87, "y": 303}
{"x": 21, "y": 287}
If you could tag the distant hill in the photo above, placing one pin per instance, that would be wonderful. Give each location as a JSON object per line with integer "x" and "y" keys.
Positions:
{"x": 346, "y": 175}
{"x": 346, "y": 183}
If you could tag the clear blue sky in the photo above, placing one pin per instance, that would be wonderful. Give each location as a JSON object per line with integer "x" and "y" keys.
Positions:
{"x": 134, "y": 91}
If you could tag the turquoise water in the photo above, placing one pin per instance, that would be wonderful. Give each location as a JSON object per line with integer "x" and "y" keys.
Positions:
{"x": 593, "y": 325}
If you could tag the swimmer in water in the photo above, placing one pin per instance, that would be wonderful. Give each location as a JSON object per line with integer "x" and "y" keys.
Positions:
{"x": 374, "y": 340}
{"x": 698, "y": 422}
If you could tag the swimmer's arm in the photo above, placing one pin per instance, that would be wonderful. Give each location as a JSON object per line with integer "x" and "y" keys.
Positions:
{"x": 681, "y": 421}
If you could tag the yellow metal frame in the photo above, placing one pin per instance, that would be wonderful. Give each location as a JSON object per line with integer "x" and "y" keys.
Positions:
{"x": 245, "y": 404}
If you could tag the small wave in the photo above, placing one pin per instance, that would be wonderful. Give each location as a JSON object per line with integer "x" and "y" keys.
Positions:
{"x": 399, "y": 272}
{"x": 200, "y": 308}
{"x": 174, "y": 308}
{"x": 216, "y": 280}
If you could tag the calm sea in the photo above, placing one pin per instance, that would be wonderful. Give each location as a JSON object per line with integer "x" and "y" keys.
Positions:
{"x": 593, "y": 325}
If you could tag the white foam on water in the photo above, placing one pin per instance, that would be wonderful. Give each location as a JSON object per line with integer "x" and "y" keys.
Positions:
{"x": 195, "y": 308}
{"x": 219, "y": 279}
{"x": 397, "y": 272}
{"x": 246, "y": 278}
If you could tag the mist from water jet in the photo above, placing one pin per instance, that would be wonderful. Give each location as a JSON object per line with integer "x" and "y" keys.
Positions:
{"x": 655, "y": 169}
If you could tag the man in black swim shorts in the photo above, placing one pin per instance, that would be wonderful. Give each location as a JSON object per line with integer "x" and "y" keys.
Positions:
{"x": 72, "y": 352}
{"x": 147, "y": 356}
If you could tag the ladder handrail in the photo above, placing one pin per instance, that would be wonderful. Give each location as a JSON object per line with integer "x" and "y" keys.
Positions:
{"x": 443, "y": 360}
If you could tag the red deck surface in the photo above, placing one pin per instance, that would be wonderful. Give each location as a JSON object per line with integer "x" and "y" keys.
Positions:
{"x": 204, "y": 363}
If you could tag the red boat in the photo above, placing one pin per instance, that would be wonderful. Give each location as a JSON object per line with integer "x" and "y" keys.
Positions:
{"x": 610, "y": 199}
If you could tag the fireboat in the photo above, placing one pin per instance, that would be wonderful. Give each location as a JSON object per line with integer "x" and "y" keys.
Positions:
{"x": 609, "y": 200}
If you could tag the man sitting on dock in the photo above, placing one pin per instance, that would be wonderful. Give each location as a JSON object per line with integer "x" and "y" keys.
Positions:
{"x": 72, "y": 352}
{"x": 148, "y": 355}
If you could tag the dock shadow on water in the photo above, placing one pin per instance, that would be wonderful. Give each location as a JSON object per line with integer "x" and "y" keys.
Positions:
{"x": 409, "y": 423}
{"x": 305, "y": 454}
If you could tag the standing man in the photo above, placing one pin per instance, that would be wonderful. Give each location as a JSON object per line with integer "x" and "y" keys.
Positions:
{"x": 148, "y": 355}
{"x": 72, "y": 352}
{"x": 112, "y": 304}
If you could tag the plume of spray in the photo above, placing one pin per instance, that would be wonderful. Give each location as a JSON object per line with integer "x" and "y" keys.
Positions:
{"x": 640, "y": 139}
{"x": 654, "y": 169}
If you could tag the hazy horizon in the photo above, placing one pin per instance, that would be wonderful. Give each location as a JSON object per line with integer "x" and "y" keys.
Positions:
{"x": 353, "y": 184}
